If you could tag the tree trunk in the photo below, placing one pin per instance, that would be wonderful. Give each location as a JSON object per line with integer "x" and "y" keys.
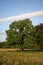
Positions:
{"x": 22, "y": 49}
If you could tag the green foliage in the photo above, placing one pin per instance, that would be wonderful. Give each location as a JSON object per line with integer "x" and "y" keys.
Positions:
{"x": 39, "y": 31}
{"x": 21, "y": 33}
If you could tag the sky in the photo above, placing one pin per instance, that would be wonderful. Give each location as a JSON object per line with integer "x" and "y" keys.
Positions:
{"x": 9, "y": 8}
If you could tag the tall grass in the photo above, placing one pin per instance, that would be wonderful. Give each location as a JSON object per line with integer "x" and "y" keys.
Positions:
{"x": 21, "y": 58}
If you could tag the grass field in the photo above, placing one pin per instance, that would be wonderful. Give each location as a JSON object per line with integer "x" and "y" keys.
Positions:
{"x": 18, "y": 57}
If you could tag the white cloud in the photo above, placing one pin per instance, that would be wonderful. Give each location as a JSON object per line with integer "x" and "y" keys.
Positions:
{"x": 2, "y": 33}
{"x": 23, "y": 16}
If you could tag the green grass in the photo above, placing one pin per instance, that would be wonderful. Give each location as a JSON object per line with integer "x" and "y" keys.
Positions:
{"x": 21, "y": 58}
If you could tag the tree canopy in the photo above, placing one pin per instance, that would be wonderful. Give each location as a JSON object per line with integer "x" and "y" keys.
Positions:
{"x": 21, "y": 33}
{"x": 39, "y": 31}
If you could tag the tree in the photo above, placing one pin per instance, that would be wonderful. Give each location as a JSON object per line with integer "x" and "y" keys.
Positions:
{"x": 2, "y": 44}
{"x": 21, "y": 33}
{"x": 39, "y": 30}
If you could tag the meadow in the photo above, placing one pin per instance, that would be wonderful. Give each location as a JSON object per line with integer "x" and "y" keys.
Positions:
{"x": 18, "y": 57}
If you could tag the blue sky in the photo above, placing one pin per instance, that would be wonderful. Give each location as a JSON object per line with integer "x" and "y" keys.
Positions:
{"x": 10, "y": 8}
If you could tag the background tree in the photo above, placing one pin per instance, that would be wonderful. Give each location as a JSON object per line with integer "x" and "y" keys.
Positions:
{"x": 39, "y": 30}
{"x": 2, "y": 44}
{"x": 21, "y": 33}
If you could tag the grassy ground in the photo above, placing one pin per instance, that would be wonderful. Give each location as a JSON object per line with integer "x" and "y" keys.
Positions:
{"x": 18, "y": 57}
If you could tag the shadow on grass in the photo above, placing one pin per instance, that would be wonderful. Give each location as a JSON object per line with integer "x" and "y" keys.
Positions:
{"x": 30, "y": 51}
{"x": 25, "y": 51}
